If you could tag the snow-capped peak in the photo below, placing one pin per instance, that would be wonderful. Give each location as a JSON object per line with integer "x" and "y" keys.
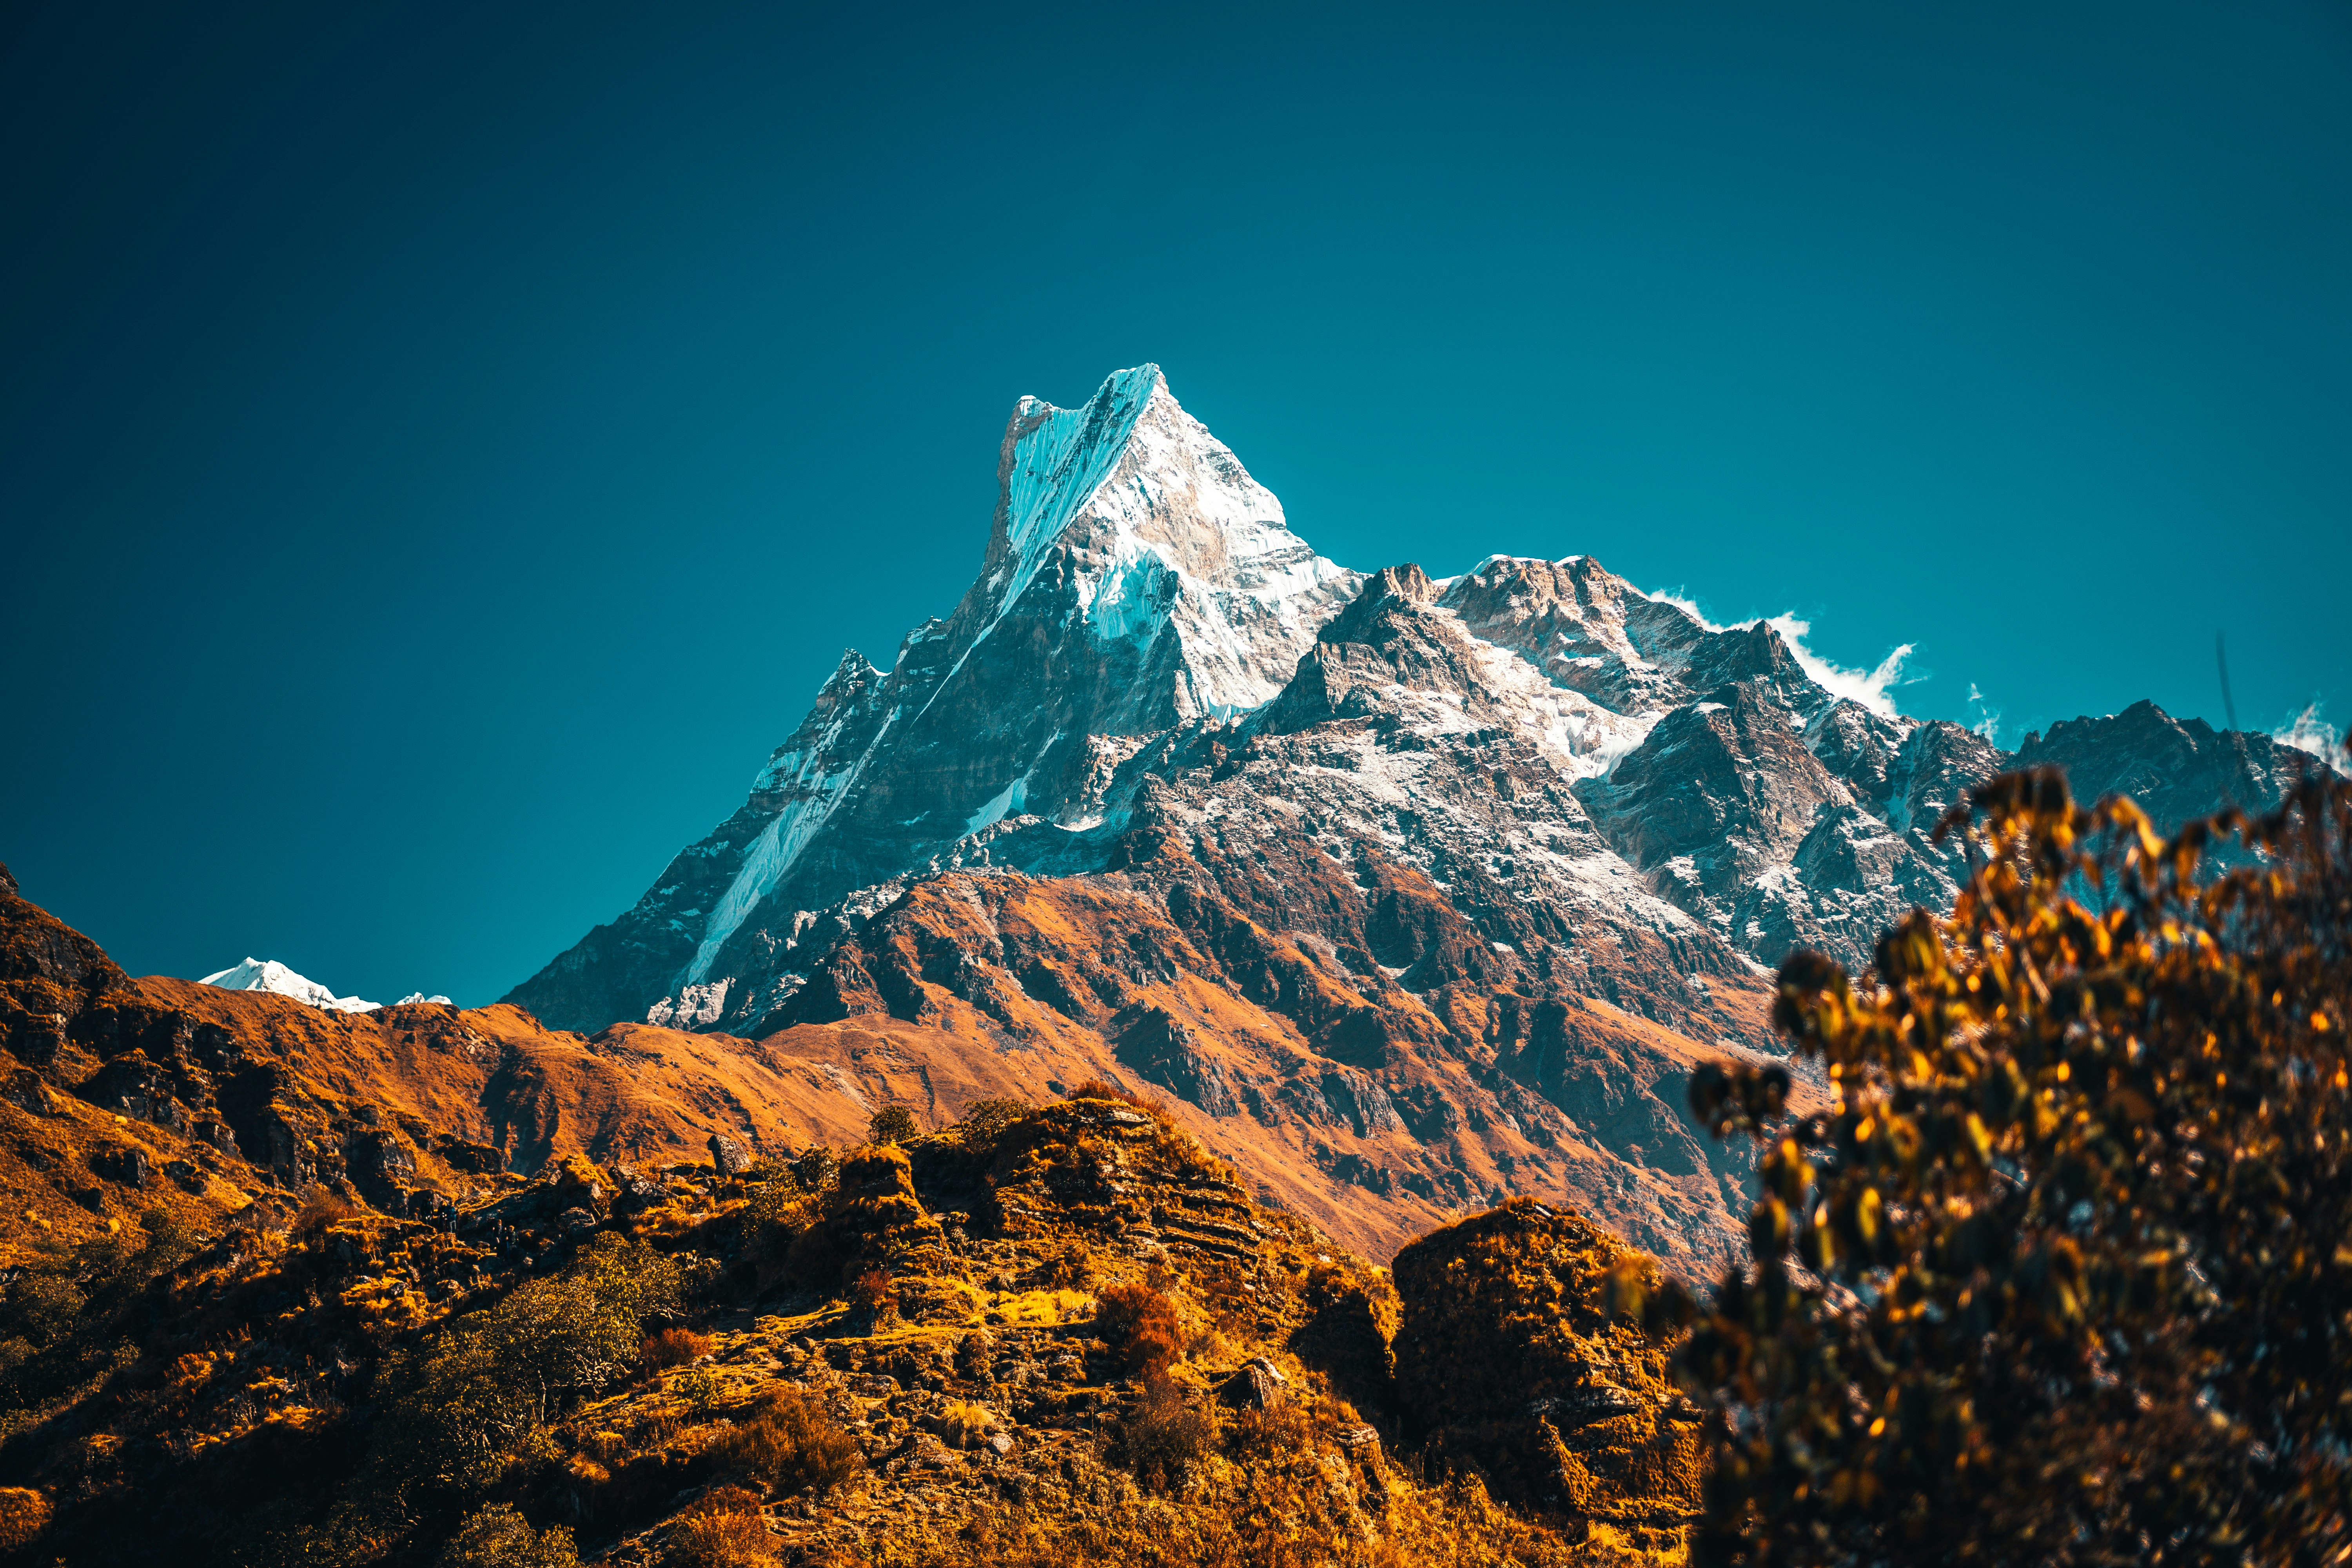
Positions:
{"x": 1164, "y": 531}
{"x": 268, "y": 974}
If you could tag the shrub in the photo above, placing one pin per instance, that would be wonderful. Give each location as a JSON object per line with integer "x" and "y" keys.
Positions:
{"x": 631, "y": 1275}
{"x": 1070, "y": 1267}
{"x": 815, "y": 1169}
{"x": 892, "y": 1124}
{"x": 700, "y": 1388}
{"x": 24, "y": 1514}
{"x": 1140, "y": 1323}
{"x": 1163, "y": 1434}
{"x": 676, "y": 1347}
{"x": 498, "y": 1537}
{"x": 456, "y": 1407}
{"x": 1096, "y": 1088}
{"x": 985, "y": 1122}
{"x": 1272, "y": 1434}
{"x": 870, "y": 1292}
{"x": 780, "y": 1213}
{"x": 723, "y": 1528}
{"x": 43, "y": 1307}
{"x": 962, "y": 1423}
{"x": 792, "y": 1446}
{"x": 2075, "y": 1282}
{"x": 322, "y": 1211}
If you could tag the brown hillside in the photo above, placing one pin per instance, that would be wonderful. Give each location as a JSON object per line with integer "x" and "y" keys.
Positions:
{"x": 1376, "y": 1111}
{"x": 1347, "y": 1098}
{"x": 1067, "y": 1337}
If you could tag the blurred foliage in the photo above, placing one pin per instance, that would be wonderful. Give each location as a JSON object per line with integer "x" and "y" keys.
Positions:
{"x": 2064, "y": 1276}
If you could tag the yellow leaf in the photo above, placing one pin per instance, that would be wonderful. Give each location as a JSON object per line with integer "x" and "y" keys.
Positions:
{"x": 1980, "y": 1135}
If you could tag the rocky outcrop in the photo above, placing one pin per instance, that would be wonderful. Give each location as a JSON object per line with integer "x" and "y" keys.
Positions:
{"x": 1509, "y": 1363}
{"x": 955, "y": 1317}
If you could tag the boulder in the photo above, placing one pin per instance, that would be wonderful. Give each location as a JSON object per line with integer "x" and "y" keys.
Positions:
{"x": 728, "y": 1155}
{"x": 1255, "y": 1387}
{"x": 29, "y": 1092}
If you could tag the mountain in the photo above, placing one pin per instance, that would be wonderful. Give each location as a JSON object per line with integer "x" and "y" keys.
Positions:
{"x": 1410, "y": 892}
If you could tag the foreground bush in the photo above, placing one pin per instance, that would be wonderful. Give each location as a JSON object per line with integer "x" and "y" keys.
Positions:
{"x": 723, "y": 1529}
{"x": 498, "y": 1537}
{"x": 2076, "y": 1281}
{"x": 1141, "y": 1324}
{"x": 791, "y": 1446}
{"x": 1166, "y": 1431}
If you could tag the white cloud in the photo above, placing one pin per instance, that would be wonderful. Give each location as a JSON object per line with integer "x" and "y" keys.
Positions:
{"x": 1988, "y": 717}
{"x": 2307, "y": 732}
{"x": 1869, "y": 688}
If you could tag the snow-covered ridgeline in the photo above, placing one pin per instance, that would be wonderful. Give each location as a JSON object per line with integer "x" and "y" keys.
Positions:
{"x": 816, "y": 776}
{"x": 268, "y": 974}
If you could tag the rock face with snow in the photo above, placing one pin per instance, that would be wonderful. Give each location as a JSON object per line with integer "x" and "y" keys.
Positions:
{"x": 1437, "y": 887}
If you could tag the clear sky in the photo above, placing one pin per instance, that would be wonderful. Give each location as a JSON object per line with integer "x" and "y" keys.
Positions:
{"x": 441, "y": 447}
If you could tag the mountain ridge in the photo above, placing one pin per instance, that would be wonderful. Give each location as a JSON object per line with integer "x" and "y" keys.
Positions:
{"x": 1410, "y": 890}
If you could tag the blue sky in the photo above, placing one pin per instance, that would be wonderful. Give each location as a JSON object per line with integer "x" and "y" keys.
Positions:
{"x": 443, "y": 448}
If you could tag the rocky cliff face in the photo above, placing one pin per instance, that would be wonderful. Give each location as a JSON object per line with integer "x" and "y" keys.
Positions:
{"x": 1409, "y": 891}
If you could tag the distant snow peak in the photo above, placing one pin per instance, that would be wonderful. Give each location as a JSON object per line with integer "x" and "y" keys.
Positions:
{"x": 2308, "y": 732}
{"x": 268, "y": 974}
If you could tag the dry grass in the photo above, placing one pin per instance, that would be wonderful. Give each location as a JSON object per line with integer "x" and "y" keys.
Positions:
{"x": 1286, "y": 1516}
{"x": 722, "y": 1529}
{"x": 963, "y": 1424}
{"x": 676, "y": 1347}
{"x": 792, "y": 1446}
